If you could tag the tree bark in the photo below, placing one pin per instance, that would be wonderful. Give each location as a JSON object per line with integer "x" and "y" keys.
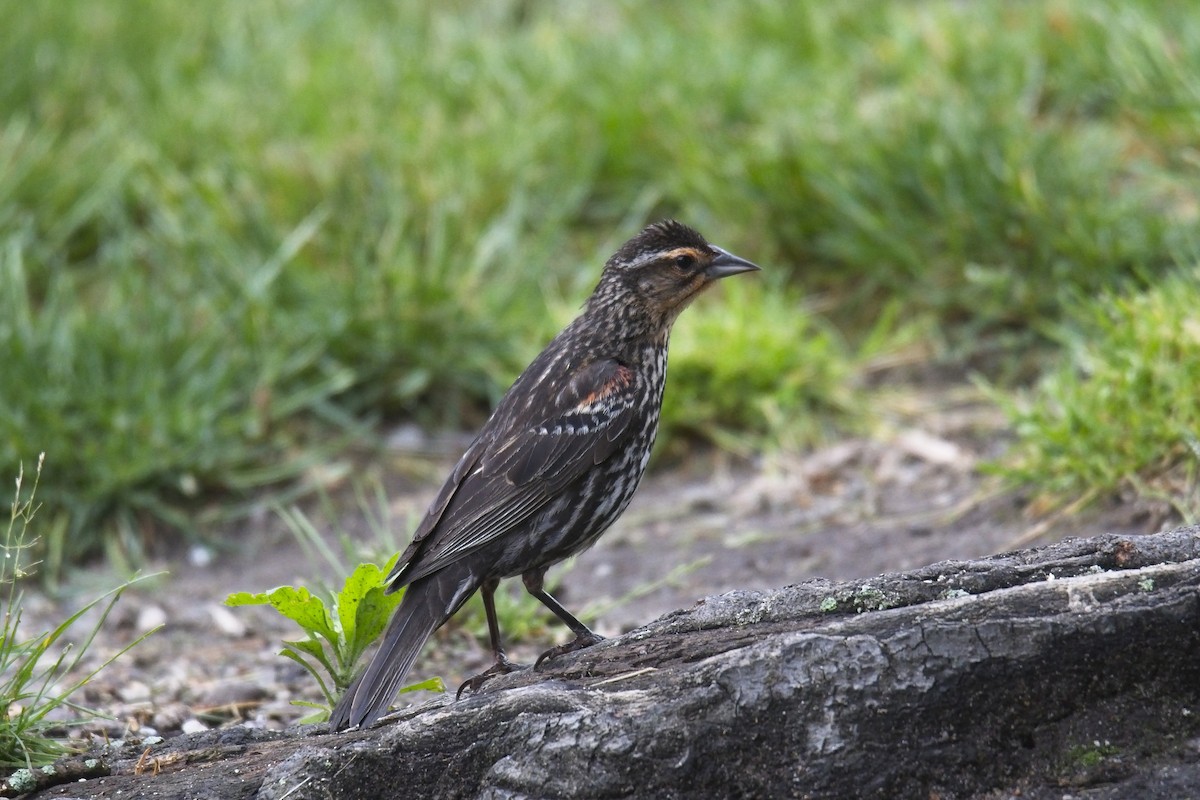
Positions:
{"x": 1072, "y": 669}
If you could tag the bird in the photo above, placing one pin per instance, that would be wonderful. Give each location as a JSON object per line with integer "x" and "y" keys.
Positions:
{"x": 553, "y": 467}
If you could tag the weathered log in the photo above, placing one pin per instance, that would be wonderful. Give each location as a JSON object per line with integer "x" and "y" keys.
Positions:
{"x": 1072, "y": 669}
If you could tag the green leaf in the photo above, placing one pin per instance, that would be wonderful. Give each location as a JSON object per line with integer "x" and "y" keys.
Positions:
{"x": 360, "y": 582}
{"x": 246, "y": 599}
{"x": 288, "y": 652}
{"x": 314, "y": 648}
{"x": 435, "y": 684}
{"x": 320, "y": 715}
{"x": 363, "y": 608}
{"x": 340, "y": 631}
{"x": 294, "y": 602}
{"x": 374, "y": 611}
{"x": 309, "y": 704}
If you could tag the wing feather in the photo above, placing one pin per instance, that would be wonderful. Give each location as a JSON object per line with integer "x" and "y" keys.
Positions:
{"x": 503, "y": 480}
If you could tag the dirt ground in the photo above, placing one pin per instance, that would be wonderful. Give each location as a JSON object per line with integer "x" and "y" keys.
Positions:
{"x": 852, "y": 509}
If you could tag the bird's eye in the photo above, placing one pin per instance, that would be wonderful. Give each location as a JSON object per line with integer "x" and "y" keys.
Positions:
{"x": 685, "y": 261}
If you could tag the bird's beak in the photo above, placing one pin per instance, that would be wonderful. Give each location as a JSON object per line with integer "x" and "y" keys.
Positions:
{"x": 726, "y": 264}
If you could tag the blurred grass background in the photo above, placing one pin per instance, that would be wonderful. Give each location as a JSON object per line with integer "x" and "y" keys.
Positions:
{"x": 235, "y": 237}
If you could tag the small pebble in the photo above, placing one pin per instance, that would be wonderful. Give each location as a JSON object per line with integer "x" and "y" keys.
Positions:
{"x": 134, "y": 692}
{"x": 407, "y": 437}
{"x": 233, "y": 693}
{"x": 226, "y": 622}
{"x": 150, "y": 617}
{"x": 193, "y": 725}
{"x": 171, "y": 717}
{"x": 200, "y": 556}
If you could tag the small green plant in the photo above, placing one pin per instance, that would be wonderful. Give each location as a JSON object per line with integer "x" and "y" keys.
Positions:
{"x": 759, "y": 364}
{"x": 38, "y": 673}
{"x": 1120, "y": 412}
{"x": 339, "y": 632}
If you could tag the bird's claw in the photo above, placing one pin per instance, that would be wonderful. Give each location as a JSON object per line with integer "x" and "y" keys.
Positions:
{"x": 578, "y": 643}
{"x": 502, "y": 667}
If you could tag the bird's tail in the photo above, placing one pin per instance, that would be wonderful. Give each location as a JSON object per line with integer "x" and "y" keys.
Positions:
{"x": 427, "y": 603}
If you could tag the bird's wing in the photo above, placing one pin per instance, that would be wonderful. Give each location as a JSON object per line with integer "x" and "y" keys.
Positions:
{"x": 502, "y": 480}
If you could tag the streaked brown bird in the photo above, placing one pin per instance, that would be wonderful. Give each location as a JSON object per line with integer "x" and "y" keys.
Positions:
{"x": 554, "y": 466}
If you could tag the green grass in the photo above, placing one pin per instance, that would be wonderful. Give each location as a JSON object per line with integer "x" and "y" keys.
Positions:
{"x": 974, "y": 166}
{"x": 40, "y": 674}
{"x": 1120, "y": 413}
{"x": 756, "y": 385}
{"x": 233, "y": 237}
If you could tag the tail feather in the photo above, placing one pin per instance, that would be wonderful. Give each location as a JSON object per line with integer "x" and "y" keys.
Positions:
{"x": 427, "y": 604}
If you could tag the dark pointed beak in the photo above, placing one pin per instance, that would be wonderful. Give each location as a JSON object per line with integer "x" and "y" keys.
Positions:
{"x": 726, "y": 264}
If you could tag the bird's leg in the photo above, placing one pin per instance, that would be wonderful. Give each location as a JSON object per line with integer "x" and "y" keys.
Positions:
{"x": 500, "y": 663}
{"x": 584, "y": 637}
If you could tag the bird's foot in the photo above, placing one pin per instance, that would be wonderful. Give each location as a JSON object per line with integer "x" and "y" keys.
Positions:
{"x": 502, "y": 667}
{"x": 578, "y": 643}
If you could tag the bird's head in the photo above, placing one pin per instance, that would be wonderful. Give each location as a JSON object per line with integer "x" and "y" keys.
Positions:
{"x": 657, "y": 273}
